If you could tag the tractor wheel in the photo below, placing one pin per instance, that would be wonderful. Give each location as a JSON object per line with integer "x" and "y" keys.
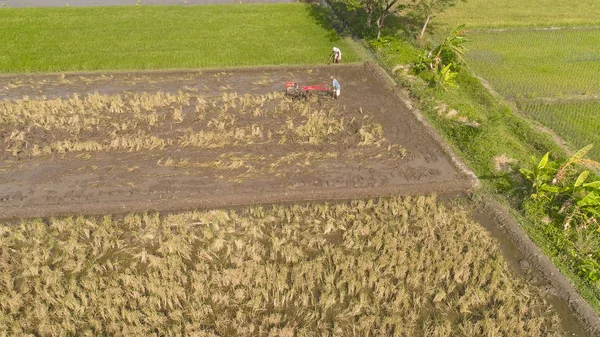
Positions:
{"x": 293, "y": 92}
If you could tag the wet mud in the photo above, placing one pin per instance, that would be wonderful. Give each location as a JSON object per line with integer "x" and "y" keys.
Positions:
{"x": 119, "y": 181}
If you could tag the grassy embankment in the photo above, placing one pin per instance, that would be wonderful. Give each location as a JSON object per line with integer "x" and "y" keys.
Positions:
{"x": 485, "y": 132}
{"x": 398, "y": 267}
{"x": 163, "y": 37}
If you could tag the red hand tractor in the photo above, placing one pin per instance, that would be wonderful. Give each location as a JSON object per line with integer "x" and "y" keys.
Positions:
{"x": 295, "y": 90}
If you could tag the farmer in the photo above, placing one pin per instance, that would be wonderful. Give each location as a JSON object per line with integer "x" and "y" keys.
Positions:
{"x": 336, "y": 55}
{"x": 336, "y": 87}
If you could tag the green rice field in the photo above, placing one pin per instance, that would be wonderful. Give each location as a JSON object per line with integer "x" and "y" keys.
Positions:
{"x": 551, "y": 74}
{"x": 163, "y": 37}
{"x": 519, "y": 13}
{"x": 578, "y": 123}
{"x": 534, "y": 63}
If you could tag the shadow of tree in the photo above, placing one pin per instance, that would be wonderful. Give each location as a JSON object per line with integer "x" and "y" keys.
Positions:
{"x": 356, "y": 21}
{"x": 335, "y": 27}
{"x": 408, "y": 26}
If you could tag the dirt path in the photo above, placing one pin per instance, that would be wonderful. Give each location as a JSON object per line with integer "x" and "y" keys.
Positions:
{"x": 186, "y": 177}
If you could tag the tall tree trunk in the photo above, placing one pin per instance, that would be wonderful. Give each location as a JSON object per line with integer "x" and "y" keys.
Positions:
{"x": 369, "y": 18}
{"x": 383, "y": 13}
{"x": 424, "y": 27}
{"x": 379, "y": 23}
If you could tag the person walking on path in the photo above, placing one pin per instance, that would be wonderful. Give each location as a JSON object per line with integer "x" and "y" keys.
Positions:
{"x": 336, "y": 87}
{"x": 336, "y": 55}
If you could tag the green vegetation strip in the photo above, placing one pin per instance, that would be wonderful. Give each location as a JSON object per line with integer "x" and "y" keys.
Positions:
{"x": 397, "y": 267}
{"x": 161, "y": 37}
{"x": 507, "y": 13}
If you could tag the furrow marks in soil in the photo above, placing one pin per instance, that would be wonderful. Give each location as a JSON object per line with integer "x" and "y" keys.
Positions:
{"x": 114, "y": 142}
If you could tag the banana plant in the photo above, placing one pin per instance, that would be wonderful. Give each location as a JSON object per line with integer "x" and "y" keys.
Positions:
{"x": 584, "y": 201}
{"x": 575, "y": 159}
{"x": 443, "y": 59}
{"x": 445, "y": 78}
{"x": 450, "y": 51}
{"x": 578, "y": 203}
{"x": 541, "y": 178}
{"x": 587, "y": 208}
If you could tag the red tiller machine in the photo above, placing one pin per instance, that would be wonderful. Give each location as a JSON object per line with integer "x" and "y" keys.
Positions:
{"x": 295, "y": 90}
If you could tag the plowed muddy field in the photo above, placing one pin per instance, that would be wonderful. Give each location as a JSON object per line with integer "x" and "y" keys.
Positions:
{"x": 106, "y": 143}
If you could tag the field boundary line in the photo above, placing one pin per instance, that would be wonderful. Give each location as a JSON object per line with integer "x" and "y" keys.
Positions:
{"x": 561, "y": 99}
{"x": 179, "y": 70}
{"x": 515, "y": 110}
{"x": 40, "y": 4}
{"x": 534, "y": 29}
{"x": 455, "y": 187}
{"x": 565, "y": 289}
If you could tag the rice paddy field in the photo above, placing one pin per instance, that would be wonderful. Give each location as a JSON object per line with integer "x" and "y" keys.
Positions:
{"x": 517, "y": 13}
{"x": 164, "y": 37}
{"x": 554, "y": 63}
{"x": 577, "y": 122}
{"x": 400, "y": 266}
{"x": 110, "y": 143}
{"x": 129, "y": 200}
{"x": 524, "y": 63}
{"x": 392, "y": 267}
{"x": 555, "y": 68}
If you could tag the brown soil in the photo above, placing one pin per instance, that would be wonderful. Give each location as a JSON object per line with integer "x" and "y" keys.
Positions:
{"x": 100, "y": 182}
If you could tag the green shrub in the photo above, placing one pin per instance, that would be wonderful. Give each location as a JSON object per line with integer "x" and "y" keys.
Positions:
{"x": 567, "y": 200}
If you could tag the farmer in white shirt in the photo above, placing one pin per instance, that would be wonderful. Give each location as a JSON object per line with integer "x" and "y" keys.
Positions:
{"x": 336, "y": 87}
{"x": 336, "y": 54}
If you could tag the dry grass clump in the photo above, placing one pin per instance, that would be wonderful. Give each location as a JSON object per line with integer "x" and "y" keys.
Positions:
{"x": 76, "y": 114}
{"x": 319, "y": 126}
{"x": 299, "y": 160}
{"x": 503, "y": 163}
{"x": 396, "y": 267}
{"x": 238, "y": 167}
{"x": 147, "y": 121}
